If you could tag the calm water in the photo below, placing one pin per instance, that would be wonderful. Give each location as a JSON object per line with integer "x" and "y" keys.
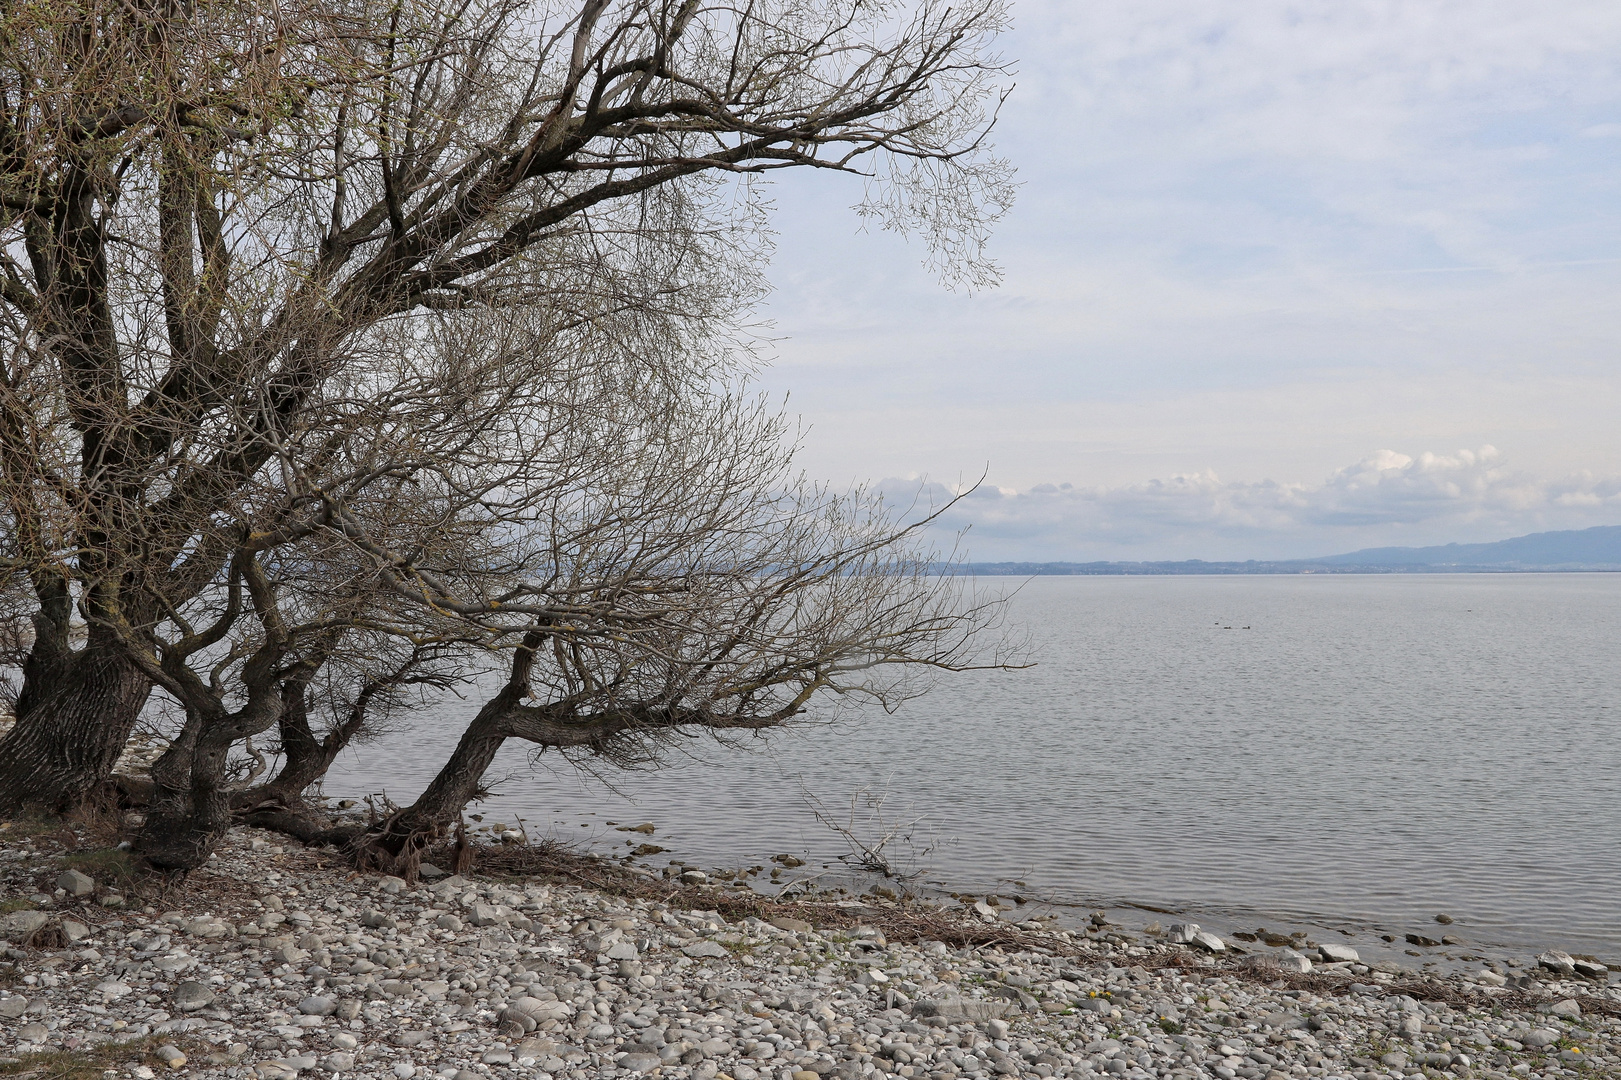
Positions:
{"x": 1360, "y": 752}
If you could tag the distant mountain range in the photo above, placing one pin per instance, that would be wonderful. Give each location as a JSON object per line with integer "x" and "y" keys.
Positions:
{"x": 1598, "y": 548}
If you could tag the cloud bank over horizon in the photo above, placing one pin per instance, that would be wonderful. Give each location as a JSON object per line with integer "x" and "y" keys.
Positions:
{"x": 1253, "y": 241}
{"x": 1386, "y": 499}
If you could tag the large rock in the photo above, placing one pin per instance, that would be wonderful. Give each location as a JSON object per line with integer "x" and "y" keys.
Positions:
{"x": 1556, "y": 961}
{"x": 76, "y": 883}
{"x": 960, "y": 1008}
{"x": 488, "y": 915}
{"x": 1208, "y": 942}
{"x": 705, "y": 949}
{"x": 541, "y": 1010}
{"x": 1290, "y": 960}
{"x": 1567, "y": 1009}
{"x": 1590, "y": 968}
{"x": 20, "y": 925}
{"x": 318, "y": 1006}
{"x": 1338, "y": 954}
{"x": 1541, "y": 1037}
{"x": 12, "y": 1007}
{"x": 641, "y": 1062}
{"x": 797, "y": 926}
{"x": 191, "y": 995}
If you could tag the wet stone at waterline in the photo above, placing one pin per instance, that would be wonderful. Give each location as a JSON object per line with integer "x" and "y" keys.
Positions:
{"x": 376, "y": 986}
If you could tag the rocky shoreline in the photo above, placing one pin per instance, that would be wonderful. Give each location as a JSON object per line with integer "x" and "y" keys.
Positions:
{"x": 277, "y": 961}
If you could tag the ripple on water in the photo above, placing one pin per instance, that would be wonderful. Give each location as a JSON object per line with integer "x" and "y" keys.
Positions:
{"x": 1371, "y": 748}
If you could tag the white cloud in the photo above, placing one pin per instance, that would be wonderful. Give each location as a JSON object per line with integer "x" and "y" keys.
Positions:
{"x": 1388, "y": 222}
{"x": 1388, "y": 498}
{"x": 1254, "y": 240}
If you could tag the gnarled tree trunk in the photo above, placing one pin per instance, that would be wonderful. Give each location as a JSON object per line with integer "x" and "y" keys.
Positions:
{"x": 395, "y": 844}
{"x": 74, "y": 716}
{"x": 279, "y": 804}
{"x": 305, "y": 758}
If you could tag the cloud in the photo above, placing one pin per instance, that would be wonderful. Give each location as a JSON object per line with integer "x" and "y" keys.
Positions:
{"x": 1388, "y": 498}
{"x": 1257, "y": 238}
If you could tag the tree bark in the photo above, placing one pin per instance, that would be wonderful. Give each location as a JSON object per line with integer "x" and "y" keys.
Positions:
{"x": 305, "y": 759}
{"x": 395, "y": 844}
{"x": 183, "y": 827}
{"x": 74, "y": 717}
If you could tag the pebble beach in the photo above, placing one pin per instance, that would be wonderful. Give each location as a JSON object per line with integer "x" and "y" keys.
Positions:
{"x": 278, "y": 962}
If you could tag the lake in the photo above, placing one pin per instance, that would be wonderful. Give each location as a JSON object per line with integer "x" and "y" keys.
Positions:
{"x": 1360, "y": 752}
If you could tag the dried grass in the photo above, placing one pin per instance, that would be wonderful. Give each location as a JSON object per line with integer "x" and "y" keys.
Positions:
{"x": 94, "y": 1062}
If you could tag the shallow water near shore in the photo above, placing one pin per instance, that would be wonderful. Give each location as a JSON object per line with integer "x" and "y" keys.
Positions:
{"x": 1352, "y": 752}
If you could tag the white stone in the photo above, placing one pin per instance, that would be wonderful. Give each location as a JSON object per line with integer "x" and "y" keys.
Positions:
{"x": 488, "y": 915}
{"x": 1209, "y": 942}
{"x": 1290, "y": 960}
{"x": 1554, "y": 960}
{"x": 20, "y": 924}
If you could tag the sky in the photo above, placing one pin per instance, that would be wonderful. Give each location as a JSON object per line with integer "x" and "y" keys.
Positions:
{"x": 1284, "y": 279}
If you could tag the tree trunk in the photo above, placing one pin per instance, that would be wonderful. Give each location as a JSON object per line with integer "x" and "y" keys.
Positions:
{"x": 191, "y": 812}
{"x": 305, "y": 758}
{"x": 182, "y": 831}
{"x": 395, "y": 844}
{"x": 73, "y": 718}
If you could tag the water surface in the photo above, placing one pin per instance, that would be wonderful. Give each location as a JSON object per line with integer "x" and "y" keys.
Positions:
{"x": 1362, "y": 752}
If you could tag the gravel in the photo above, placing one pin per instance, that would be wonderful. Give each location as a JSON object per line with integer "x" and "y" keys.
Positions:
{"x": 279, "y": 962}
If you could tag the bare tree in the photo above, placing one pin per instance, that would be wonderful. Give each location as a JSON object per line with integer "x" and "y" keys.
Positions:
{"x": 639, "y": 547}
{"x": 690, "y": 584}
{"x": 221, "y": 225}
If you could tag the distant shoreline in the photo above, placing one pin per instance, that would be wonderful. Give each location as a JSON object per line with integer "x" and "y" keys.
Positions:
{"x": 1200, "y": 568}
{"x": 1586, "y": 551}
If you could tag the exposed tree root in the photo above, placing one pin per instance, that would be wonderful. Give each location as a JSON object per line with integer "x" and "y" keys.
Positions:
{"x": 302, "y": 824}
